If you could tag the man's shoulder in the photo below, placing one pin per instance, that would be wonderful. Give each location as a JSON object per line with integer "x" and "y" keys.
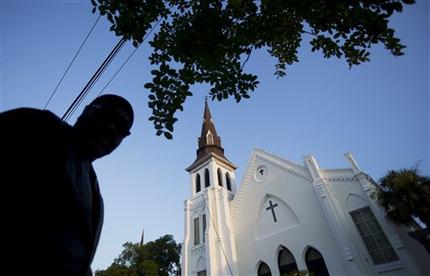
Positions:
{"x": 30, "y": 117}
{"x": 29, "y": 113}
{"x": 32, "y": 126}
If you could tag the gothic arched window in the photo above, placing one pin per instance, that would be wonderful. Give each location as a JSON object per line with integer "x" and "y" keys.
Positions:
{"x": 227, "y": 181}
{"x": 219, "y": 177}
{"x": 286, "y": 262}
{"x": 198, "y": 186}
{"x": 264, "y": 270}
{"x": 315, "y": 263}
{"x": 209, "y": 138}
{"x": 207, "y": 180}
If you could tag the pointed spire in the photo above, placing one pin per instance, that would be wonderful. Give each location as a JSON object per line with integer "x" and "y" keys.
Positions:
{"x": 141, "y": 238}
{"x": 208, "y": 126}
{"x": 209, "y": 142}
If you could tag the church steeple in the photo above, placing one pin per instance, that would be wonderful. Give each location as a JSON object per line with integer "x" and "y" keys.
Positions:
{"x": 209, "y": 143}
{"x": 207, "y": 217}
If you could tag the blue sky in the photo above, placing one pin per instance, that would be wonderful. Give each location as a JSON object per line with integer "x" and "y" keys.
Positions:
{"x": 379, "y": 111}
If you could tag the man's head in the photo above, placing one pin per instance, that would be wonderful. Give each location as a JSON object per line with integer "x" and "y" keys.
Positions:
{"x": 103, "y": 124}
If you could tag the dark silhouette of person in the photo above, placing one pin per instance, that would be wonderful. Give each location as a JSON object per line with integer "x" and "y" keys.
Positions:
{"x": 51, "y": 203}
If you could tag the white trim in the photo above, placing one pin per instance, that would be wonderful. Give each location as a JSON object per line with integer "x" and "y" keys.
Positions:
{"x": 397, "y": 265}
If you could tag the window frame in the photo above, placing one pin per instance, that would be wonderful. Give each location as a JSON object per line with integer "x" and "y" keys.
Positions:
{"x": 228, "y": 181}
{"x": 219, "y": 174}
{"x": 269, "y": 273}
{"x": 311, "y": 264}
{"x": 209, "y": 138}
{"x": 207, "y": 178}
{"x": 198, "y": 183}
{"x": 375, "y": 240}
{"x": 294, "y": 263}
{"x": 203, "y": 227}
{"x": 196, "y": 227}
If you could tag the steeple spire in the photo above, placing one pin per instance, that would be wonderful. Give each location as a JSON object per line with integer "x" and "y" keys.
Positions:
{"x": 209, "y": 142}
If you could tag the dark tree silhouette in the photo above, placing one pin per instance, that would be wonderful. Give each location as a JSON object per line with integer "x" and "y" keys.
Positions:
{"x": 209, "y": 41}
{"x": 160, "y": 257}
{"x": 405, "y": 194}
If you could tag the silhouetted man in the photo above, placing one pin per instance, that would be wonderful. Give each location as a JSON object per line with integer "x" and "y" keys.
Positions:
{"x": 53, "y": 210}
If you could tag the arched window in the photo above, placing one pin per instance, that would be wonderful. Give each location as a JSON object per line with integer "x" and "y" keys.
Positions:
{"x": 315, "y": 263}
{"x": 198, "y": 186}
{"x": 201, "y": 267}
{"x": 227, "y": 180}
{"x": 286, "y": 262}
{"x": 209, "y": 138}
{"x": 219, "y": 177}
{"x": 264, "y": 270}
{"x": 207, "y": 180}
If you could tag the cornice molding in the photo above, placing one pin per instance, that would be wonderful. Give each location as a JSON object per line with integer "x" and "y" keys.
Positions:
{"x": 243, "y": 187}
{"x": 285, "y": 167}
{"x": 198, "y": 250}
{"x": 340, "y": 179}
{"x": 198, "y": 164}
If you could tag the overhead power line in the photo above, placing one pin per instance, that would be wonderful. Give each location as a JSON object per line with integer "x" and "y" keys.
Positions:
{"x": 129, "y": 57}
{"x": 93, "y": 80}
{"x": 70, "y": 64}
{"x": 99, "y": 72}
{"x": 116, "y": 73}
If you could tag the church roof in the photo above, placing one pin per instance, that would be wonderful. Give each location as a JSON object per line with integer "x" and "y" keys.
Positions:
{"x": 209, "y": 143}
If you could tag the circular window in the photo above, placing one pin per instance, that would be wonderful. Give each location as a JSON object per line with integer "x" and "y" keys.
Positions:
{"x": 261, "y": 173}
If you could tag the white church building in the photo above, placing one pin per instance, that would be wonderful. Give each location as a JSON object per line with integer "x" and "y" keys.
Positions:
{"x": 287, "y": 217}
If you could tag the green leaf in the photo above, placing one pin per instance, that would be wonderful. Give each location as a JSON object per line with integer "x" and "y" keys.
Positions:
{"x": 168, "y": 135}
{"x": 148, "y": 85}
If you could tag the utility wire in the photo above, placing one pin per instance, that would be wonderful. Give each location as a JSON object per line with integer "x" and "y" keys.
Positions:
{"x": 116, "y": 73}
{"x": 119, "y": 46}
{"x": 99, "y": 72}
{"x": 93, "y": 80}
{"x": 70, "y": 64}
{"x": 129, "y": 57}
{"x": 216, "y": 231}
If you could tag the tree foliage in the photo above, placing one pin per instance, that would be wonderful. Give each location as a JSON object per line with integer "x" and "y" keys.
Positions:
{"x": 405, "y": 194}
{"x": 159, "y": 257}
{"x": 209, "y": 41}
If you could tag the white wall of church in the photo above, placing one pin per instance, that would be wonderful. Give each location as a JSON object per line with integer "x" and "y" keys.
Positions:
{"x": 302, "y": 218}
{"x": 291, "y": 188}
